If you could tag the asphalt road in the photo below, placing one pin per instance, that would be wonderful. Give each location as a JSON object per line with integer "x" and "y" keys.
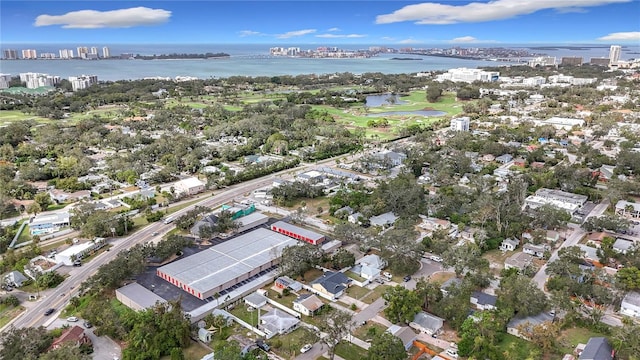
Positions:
{"x": 58, "y": 298}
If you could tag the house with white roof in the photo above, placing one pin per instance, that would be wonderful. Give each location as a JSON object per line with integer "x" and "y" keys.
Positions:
{"x": 278, "y": 322}
{"x": 630, "y": 305}
{"x": 189, "y": 186}
{"x": 628, "y": 209}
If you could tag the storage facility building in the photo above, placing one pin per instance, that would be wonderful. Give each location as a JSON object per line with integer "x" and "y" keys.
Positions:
{"x": 298, "y": 233}
{"x": 228, "y": 264}
{"x": 137, "y": 297}
{"x": 250, "y": 221}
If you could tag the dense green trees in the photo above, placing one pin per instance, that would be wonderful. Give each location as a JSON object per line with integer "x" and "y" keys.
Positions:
{"x": 402, "y": 304}
{"x": 25, "y": 343}
{"x": 385, "y": 346}
{"x": 521, "y": 295}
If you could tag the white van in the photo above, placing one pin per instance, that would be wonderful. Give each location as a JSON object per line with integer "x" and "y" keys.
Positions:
{"x": 168, "y": 220}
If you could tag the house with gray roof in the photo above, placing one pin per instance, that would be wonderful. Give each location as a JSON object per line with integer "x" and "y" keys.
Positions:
{"x": 331, "y": 284}
{"x": 518, "y": 261}
{"x": 383, "y": 220}
{"x": 15, "y": 278}
{"x": 427, "y": 323}
{"x": 483, "y": 301}
{"x": 404, "y": 333}
{"x": 598, "y": 348}
{"x": 278, "y": 322}
{"x": 307, "y": 304}
{"x": 255, "y": 300}
{"x": 535, "y": 250}
{"x": 630, "y": 305}
{"x": 454, "y": 281}
{"x": 509, "y": 244}
{"x": 514, "y": 326}
{"x": 622, "y": 245}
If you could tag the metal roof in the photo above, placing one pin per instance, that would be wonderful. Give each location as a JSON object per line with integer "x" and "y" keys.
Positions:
{"x": 140, "y": 295}
{"x": 298, "y": 230}
{"x": 222, "y": 263}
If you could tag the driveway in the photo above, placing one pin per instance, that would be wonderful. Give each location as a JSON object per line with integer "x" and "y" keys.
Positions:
{"x": 427, "y": 268}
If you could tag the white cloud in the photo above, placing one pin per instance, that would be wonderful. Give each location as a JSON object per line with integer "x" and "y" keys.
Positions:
{"x": 436, "y": 13}
{"x": 92, "y": 19}
{"x": 333, "y": 29}
{"x": 336, "y": 36}
{"x": 295, "y": 33}
{"x": 245, "y": 33}
{"x": 387, "y": 38}
{"x": 409, "y": 41}
{"x": 622, "y": 36}
{"x": 469, "y": 40}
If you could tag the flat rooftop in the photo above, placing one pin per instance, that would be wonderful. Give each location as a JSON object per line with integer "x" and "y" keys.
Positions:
{"x": 222, "y": 263}
{"x": 140, "y": 295}
{"x": 298, "y": 230}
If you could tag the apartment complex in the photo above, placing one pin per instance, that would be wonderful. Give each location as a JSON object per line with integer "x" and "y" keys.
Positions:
{"x": 83, "y": 81}
{"x": 36, "y": 80}
{"x": 29, "y": 54}
{"x": 4, "y": 81}
{"x": 560, "y": 199}
{"x": 9, "y": 54}
{"x": 614, "y": 54}
{"x": 460, "y": 124}
{"x": 468, "y": 75}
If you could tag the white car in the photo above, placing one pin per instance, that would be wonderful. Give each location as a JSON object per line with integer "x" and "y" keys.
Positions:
{"x": 435, "y": 258}
{"x": 452, "y": 352}
{"x": 387, "y": 275}
{"x": 306, "y": 348}
{"x": 72, "y": 319}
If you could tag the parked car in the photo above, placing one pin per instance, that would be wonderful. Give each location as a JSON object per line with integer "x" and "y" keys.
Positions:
{"x": 387, "y": 275}
{"x": 88, "y": 325}
{"x": 49, "y": 311}
{"x": 306, "y": 348}
{"x": 77, "y": 263}
{"x": 406, "y": 278}
{"x": 72, "y": 319}
{"x": 452, "y": 352}
{"x": 155, "y": 234}
{"x": 435, "y": 258}
{"x": 263, "y": 345}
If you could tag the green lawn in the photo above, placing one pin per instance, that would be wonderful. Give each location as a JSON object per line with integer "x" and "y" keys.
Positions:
{"x": 7, "y": 116}
{"x": 290, "y": 344}
{"x": 7, "y": 313}
{"x": 195, "y": 351}
{"x": 251, "y": 317}
{"x": 284, "y": 300}
{"x": 357, "y": 292}
{"x": 24, "y": 235}
{"x": 516, "y": 347}
{"x": 571, "y": 337}
{"x": 348, "y": 351}
{"x": 375, "y": 294}
{"x": 367, "y": 331}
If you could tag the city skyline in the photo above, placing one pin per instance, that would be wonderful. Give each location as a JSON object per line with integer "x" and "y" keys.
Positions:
{"x": 321, "y": 22}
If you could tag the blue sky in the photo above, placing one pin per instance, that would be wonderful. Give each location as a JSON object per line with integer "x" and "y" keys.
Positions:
{"x": 321, "y": 22}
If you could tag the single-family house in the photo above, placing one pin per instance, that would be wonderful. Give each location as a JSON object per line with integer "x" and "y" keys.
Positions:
{"x": 307, "y": 304}
{"x": 488, "y": 158}
{"x": 514, "y": 326}
{"x": 605, "y": 173}
{"x": 404, "y": 333}
{"x": 454, "y": 281}
{"x": 209, "y": 221}
{"x": 369, "y": 267}
{"x": 521, "y": 162}
{"x": 331, "y": 284}
{"x": 383, "y": 220}
{"x": 205, "y": 335}
{"x": 598, "y": 348}
{"x": 518, "y": 261}
{"x": 432, "y": 224}
{"x": 622, "y": 245}
{"x": 590, "y": 255}
{"x": 255, "y": 300}
{"x": 535, "y": 250}
{"x": 392, "y": 157}
{"x": 427, "y": 323}
{"x": 509, "y": 244}
{"x": 284, "y": 282}
{"x": 483, "y": 301}
{"x": 343, "y": 212}
{"x": 15, "y": 278}
{"x": 552, "y": 236}
{"x": 630, "y": 305}
{"x": 74, "y": 335}
{"x": 278, "y": 322}
{"x": 504, "y": 159}
{"x": 355, "y": 218}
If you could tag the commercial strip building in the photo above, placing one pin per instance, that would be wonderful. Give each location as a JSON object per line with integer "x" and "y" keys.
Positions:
{"x": 298, "y": 233}
{"x": 77, "y": 252}
{"x": 48, "y": 224}
{"x": 560, "y": 199}
{"x": 189, "y": 186}
{"x": 225, "y": 265}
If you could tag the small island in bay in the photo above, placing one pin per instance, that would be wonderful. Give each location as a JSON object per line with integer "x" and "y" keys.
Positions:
{"x": 405, "y": 58}
{"x": 182, "y": 56}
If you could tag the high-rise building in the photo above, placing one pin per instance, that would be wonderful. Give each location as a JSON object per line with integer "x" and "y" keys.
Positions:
{"x": 82, "y": 81}
{"x": 94, "y": 50}
{"x": 9, "y": 54}
{"x": 66, "y": 54}
{"x": 106, "y": 53}
{"x": 571, "y": 60}
{"x": 614, "y": 54}
{"x": 5, "y": 79}
{"x": 36, "y": 80}
{"x": 29, "y": 54}
{"x": 82, "y": 52}
{"x": 599, "y": 61}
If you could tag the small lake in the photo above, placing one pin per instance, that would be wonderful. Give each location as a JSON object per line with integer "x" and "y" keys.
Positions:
{"x": 416, "y": 112}
{"x": 383, "y": 99}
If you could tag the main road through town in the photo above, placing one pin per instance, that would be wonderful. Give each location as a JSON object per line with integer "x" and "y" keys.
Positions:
{"x": 58, "y": 297}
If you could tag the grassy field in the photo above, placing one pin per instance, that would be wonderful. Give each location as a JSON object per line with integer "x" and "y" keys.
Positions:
{"x": 349, "y": 351}
{"x": 7, "y": 313}
{"x": 375, "y": 294}
{"x": 7, "y": 116}
{"x": 292, "y": 343}
{"x": 195, "y": 351}
{"x": 516, "y": 347}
